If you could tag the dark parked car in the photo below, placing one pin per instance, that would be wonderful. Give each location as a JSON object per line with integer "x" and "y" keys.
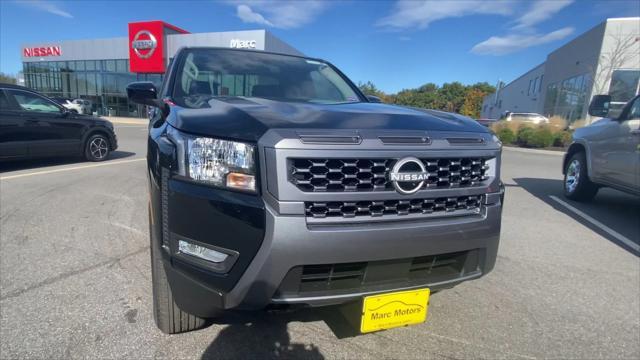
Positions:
{"x": 32, "y": 125}
{"x": 274, "y": 180}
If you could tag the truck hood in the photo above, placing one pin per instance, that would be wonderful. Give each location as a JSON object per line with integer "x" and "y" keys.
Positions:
{"x": 249, "y": 118}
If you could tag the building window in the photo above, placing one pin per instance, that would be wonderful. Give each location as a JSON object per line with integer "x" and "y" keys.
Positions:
{"x": 568, "y": 98}
{"x": 540, "y": 83}
{"x": 102, "y": 82}
{"x": 529, "y": 88}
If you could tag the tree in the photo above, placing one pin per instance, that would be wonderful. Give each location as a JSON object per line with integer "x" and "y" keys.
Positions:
{"x": 619, "y": 54}
{"x": 454, "y": 97}
{"x": 370, "y": 88}
{"x": 473, "y": 103}
{"x": 6, "y": 78}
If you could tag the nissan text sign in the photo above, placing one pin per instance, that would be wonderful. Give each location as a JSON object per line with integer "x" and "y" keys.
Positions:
{"x": 41, "y": 51}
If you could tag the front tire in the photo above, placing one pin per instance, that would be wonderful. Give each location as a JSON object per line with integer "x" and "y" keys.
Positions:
{"x": 169, "y": 318}
{"x": 97, "y": 148}
{"x": 577, "y": 185}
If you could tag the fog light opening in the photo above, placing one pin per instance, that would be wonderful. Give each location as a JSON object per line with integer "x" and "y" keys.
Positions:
{"x": 201, "y": 252}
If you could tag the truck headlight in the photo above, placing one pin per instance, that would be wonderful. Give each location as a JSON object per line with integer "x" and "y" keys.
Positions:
{"x": 218, "y": 162}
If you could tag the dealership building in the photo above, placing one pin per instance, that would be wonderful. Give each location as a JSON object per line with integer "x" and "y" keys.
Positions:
{"x": 603, "y": 60}
{"x": 100, "y": 69}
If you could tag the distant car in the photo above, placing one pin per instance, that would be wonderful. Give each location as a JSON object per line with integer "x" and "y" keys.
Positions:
{"x": 487, "y": 122}
{"x": 526, "y": 117}
{"x": 33, "y": 125}
{"x": 604, "y": 153}
{"x": 69, "y": 104}
{"x": 84, "y": 105}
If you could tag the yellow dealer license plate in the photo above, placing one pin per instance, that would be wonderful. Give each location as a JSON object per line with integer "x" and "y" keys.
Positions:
{"x": 387, "y": 311}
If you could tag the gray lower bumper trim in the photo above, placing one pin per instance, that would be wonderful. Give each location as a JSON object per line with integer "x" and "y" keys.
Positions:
{"x": 354, "y": 296}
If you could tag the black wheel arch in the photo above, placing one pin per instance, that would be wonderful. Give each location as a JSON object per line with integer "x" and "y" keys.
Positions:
{"x": 573, "y": 149}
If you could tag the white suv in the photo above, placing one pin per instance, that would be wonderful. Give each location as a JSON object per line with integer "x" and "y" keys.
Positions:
{"x": 83, "y": 105}
{"x": 526, "y": 117}
{"x": 78, "y": 106}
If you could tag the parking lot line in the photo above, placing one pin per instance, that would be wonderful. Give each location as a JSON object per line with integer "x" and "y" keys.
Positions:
{"x": 44, "y": 172}
{"x": 601, "y": 226}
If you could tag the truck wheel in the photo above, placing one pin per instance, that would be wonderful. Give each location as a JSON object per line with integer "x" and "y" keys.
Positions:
{"x": 96, "y": 148}
{"x": 577, "y": 185}
{"x": 167, "y": 315}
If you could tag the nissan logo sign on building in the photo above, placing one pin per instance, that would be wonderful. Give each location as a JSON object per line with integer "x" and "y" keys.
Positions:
{"x": 148, "y": 46}
{"x": 144, "y": 44}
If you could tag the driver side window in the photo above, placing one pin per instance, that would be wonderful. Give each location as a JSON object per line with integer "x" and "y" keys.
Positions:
{"x": 32, "y": 102}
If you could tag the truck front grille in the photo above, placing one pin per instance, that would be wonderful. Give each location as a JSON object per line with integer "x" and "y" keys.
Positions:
{"x": 352, "y": 209}
{"x": 352, "y": 174}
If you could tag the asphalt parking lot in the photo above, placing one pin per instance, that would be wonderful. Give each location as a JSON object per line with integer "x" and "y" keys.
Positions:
{"x": 75, "y": 276}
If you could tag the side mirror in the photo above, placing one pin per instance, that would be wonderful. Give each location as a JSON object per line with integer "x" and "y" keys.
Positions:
{"x": 143, "y": 92}
{"x": 374, "y": 99}
{"x": 600, "y": 105}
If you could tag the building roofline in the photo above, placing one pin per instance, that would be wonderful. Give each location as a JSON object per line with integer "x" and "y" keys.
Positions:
{"x": 523, "y": 75}
{"x": 40, "y": 43}
{"x": 635, "y": 18}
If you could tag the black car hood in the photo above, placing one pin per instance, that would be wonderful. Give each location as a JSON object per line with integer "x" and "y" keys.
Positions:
{"x": 249, "y": 118}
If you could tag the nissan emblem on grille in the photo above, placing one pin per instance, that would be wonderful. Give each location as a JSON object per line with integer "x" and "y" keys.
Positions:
{"x": 408, "y": 175}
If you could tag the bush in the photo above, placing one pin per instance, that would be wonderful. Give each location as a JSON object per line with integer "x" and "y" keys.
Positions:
{"x": 538, "y": 137}
{"x": 562, "y": 139}
{"x": 506, "y": 135}
{"x": 524, "y": 135}
{"x": 557, "y": 123}
{"x": 542, "y": 137}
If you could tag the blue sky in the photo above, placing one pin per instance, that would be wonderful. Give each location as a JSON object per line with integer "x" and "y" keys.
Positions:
{"x": 395, "y": 44}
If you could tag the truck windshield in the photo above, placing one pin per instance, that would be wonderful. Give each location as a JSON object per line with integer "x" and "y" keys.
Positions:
{"x": 218, "y": 73}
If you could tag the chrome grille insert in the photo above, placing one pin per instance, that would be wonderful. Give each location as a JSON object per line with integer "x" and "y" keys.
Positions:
{"x": 346, "y": 175}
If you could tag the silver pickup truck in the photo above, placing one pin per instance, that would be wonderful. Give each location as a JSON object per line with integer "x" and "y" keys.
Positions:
{"x": 605, "y": 153}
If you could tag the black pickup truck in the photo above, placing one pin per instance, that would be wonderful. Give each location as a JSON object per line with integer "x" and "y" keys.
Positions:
{"x": 274, "y": 181}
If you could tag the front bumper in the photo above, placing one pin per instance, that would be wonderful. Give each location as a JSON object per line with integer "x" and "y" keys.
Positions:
{"x": 289, "y": 242}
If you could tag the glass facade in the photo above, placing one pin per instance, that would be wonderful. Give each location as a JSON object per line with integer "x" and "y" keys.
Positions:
{"x": 567, "y": 98}
{"x": 103, "y": 82}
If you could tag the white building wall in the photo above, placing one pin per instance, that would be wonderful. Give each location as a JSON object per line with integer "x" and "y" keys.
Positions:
{"x": 573, "y": 73}
{"x": 620, "y": 50}
{"x": 575, "y": 60}
{"x": 520, "y": 95}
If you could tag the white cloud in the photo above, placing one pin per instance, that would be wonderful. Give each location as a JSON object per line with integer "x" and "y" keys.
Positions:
{"x": 411, "y": 13}
{"x": 279, "y": 14}
{"x": 497, "y": 45}
{"x": 540, "y": 11}
{"x": 46, "y": 6}
{"x": 247, "y": 15}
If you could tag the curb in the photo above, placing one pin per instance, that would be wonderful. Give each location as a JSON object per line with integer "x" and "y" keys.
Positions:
{"x": 534, "y": 151}
{"x": 127, "y": 120}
